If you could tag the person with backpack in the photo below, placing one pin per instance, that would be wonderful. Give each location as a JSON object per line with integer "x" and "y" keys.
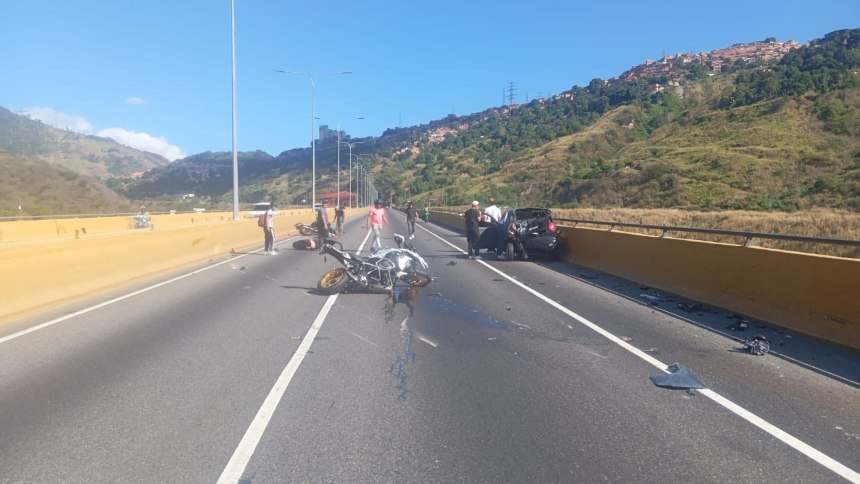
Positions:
{"x": 267, "y": 222}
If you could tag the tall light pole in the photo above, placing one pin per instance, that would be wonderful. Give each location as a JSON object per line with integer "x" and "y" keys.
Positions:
{"x": 359, "y": 187}
{"x": 235, "y": 137}
{"x": 350, "y": 166}
{"x": 313, "y": 119}
{"x": 338, "y": 150}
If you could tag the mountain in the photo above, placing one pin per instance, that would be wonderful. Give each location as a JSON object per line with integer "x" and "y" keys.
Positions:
{"x": 52, "y": 171}
{"x": 100, "y": 158}
{"x": 41, "y": 188}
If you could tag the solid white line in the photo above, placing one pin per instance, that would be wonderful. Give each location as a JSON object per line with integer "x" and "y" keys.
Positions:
{"x": 242, "y": 455}
{"x": 245, "y": 450}
{"x": 759, "y": 422}
{"x": 120, "y": 298}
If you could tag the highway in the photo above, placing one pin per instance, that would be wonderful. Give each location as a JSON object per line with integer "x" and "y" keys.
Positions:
{"x": 238, "y": 371}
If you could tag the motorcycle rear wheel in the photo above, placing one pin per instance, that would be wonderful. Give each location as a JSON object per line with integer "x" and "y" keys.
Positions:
{"x": 333, "y": 281}
{"x": 416, "y": 279}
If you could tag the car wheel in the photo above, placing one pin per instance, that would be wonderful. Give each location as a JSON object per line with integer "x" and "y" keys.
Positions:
{"x": 510, "y": 247}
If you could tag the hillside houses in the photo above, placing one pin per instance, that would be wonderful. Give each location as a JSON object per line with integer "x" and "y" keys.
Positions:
{"x": 753, "y": 51}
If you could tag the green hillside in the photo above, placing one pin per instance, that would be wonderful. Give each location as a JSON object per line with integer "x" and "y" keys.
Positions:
{"x": 41, "y": 188}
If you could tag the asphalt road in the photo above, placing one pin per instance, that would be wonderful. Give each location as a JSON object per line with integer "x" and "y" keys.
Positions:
{"x": 495, "y": 372}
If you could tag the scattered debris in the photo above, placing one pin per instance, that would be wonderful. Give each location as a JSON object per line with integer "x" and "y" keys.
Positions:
{"x": 626, "y": 338}
{"x": 678, "y": 377}
{"x": 588, "y": 276}
{"x": 690, "y": 307}
{"x": 757, "y": 345}
{"x": 649, "y": 297}
{"x": 740, "y": 326}
{"x": 452, "y": 263}
{"x": 651, "y": 350}
{"x": 295, "y": 337}
{"x": 492, "y": 339}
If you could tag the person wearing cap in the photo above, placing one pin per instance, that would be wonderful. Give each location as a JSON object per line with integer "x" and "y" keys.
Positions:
{"x": 269, "y": 230}
{"x": 375, "y": 220}
{"x": 473, "y": 219}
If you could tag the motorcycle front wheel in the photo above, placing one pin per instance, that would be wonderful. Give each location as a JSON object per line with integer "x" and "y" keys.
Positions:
{"x": 333, "y": 281}
{"x": 416, "y": 279}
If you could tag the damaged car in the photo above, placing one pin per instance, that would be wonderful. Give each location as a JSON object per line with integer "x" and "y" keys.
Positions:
{"x": 521, "y": 232}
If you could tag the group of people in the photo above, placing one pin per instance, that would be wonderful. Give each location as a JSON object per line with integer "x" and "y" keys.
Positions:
{"x": 474, "y": 218}
{"x": 375, "y": 220}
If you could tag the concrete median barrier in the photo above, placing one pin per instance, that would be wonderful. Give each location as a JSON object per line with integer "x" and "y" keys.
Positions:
{"x": 43, "y": 266}
{"x": 810, "y": 294}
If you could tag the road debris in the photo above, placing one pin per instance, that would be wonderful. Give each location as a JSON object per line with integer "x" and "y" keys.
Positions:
{"x": 678, "y": 377}
{"x": 451, "y": 263}
{"x": 690, "y": 307}
{"x": 757, "y": 345}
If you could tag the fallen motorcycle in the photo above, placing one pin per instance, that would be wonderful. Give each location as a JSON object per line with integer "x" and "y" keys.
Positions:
{"x": 306, "y": 229}
{"x": 382, "y": 269}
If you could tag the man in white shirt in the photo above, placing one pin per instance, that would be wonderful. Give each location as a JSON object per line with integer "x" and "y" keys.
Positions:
{"x": 493, "y": 212}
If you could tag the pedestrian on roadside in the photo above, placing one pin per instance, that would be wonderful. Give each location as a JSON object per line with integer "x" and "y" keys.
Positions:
{"x": 426, "y": 214}
{"x": 473, "y": 219}
{"x": 269, "y": 230}
{"x": 322, "y": 225}
{"x": 338, "y": 219}
{"x": 375, "y": 220}
{"x": 411, "y": 218}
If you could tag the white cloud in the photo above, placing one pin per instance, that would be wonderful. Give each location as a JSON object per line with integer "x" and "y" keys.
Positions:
{"x": 135, "y": 101}
{"x": 143, "y": 142}
{"x": 59, "y": 120}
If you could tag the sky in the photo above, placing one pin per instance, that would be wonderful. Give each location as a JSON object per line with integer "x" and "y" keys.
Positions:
{"x": 157, "y": 74}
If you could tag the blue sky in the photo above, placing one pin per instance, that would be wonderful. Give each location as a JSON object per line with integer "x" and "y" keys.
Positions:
{"x": 156, "y": 74}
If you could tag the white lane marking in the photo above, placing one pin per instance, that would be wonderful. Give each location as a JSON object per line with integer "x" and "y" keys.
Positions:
{"x": 75, "y": 314}
{"x": 245, "y": 450}
{"x": 793, "y": 442}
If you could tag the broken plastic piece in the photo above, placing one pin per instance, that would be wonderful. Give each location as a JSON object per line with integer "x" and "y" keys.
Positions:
{"x": 678, "y": 377}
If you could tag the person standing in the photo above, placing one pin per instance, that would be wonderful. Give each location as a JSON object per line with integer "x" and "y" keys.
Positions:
{"x": 269, "y": 230}
{"x": 411, "y": 218}
{"x": 473, "y": 218}
{"x": 322, "y": 225}
{"x": 375, "y": 220}
{"x": 492, "y": 213}
{"x": 338, "y": 219}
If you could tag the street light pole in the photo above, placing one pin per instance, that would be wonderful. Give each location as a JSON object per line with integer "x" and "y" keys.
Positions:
{"x": 235, "y": 137}
{"x": 313, "y": 118}
{"x": 350, "y": 166}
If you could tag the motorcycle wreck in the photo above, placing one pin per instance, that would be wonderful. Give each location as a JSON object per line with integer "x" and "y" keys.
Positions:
{"x": 382, "y": 269}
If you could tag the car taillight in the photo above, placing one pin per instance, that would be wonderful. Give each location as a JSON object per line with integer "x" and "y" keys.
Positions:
{"x": 551, "y": 227}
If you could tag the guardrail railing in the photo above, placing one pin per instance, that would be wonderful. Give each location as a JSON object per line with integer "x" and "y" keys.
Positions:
{"x": 748, "y": 236}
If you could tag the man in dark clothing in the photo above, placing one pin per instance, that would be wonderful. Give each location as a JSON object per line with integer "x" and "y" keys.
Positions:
{"x": 322, "y": 225}
{"x": 411, "y": 217}
{"x": 338, "y": 219}
{"x": 473, "y": 223}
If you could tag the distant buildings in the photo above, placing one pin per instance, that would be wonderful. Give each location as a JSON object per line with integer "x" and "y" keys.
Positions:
{"x": 330, "y": 134}
{"x": 754, "y": 51}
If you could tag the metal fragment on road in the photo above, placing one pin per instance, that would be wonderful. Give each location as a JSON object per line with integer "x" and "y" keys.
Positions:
{"x": 678, "y": 377}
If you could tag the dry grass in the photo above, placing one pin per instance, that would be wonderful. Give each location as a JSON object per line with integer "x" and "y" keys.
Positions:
{"x": 831, "y": 224}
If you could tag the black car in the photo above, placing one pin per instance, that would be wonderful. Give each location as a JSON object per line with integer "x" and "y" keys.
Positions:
{"x": 521, "y": 231}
